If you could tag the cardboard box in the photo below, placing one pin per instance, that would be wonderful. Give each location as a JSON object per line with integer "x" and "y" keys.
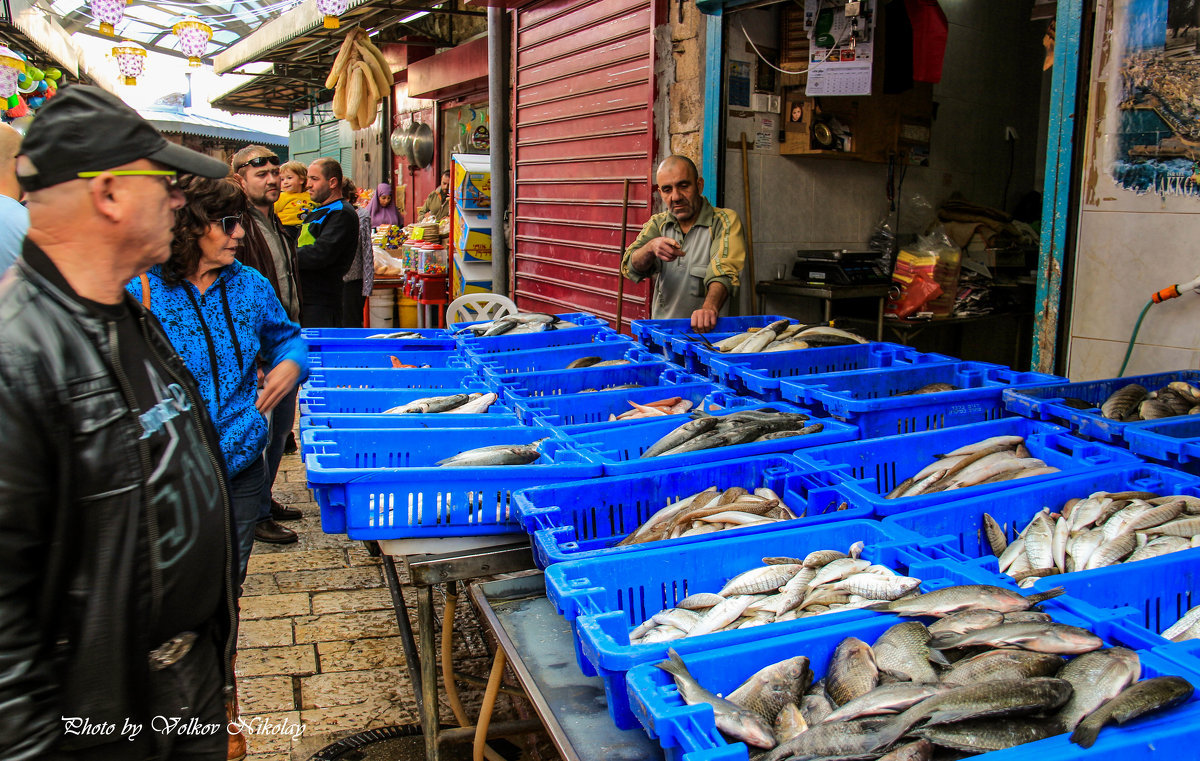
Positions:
{"x": 471, "y": 277}
{"x": 472, "y": 181}
{"x": 473, "y": 235}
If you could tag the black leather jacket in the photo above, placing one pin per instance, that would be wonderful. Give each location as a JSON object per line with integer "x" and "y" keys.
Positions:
{"x": 77, "y": 586}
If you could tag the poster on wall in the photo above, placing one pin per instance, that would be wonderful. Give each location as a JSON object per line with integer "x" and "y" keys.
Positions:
{"x": 1156, "y": 149}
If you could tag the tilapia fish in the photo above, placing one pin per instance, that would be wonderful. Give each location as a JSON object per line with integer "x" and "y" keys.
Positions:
{"x": 1187, "y": 627}
{"x": 943, "y": 602}
{"x": 739, "y": 723}
{"x": 1133, "y": 402}
{"x": 1149, "y": 696}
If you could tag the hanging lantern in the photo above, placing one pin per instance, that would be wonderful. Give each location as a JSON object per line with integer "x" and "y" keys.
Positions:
{"x": 11, "y": 68}
{"x": 131, "y": 60}
{"x": 193, "y": 36}
{"x": 332, "y": 9}
{"x": 109, "y": 13}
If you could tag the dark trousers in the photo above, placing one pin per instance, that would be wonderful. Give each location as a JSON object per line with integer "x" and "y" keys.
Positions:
{"x": 281, "y": 420}
{"x": 246, "y": 498}
{"x": 186, "y": 719}
{"x": 352, "y": 304}
{"x": 321, "y": 315}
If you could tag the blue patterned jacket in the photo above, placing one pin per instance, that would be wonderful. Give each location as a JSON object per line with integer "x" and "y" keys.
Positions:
{"x": 219, "y": 335}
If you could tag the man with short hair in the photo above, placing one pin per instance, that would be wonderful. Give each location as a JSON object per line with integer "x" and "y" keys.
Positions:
{"x": 270, "y": 250}
{"x": 695, "y": 249}
{"x": 327, "y": 246}
{"x": 14, "y": 219}
{"x": 438, "y": 202}
{"x": 117, "y": 586}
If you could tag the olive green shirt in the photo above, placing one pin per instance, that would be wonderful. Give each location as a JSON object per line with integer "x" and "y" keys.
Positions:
{"x": 437, "y": 203}
{"x": 714, "y": 250}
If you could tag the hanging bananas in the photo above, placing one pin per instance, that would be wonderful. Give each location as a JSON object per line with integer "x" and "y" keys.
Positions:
{"x": 360, "y": 78}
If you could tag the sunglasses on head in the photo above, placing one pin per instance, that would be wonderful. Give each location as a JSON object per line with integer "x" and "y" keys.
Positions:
{"x": 258, "y": 162}
{"x": 228, "y": 224}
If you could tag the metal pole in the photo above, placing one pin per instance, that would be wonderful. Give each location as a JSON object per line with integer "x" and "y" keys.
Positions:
{"x": 411, "y": 660}
{"x": 621, "y": 253}
{"x": 430, "y": 721}
{"x": 750, "y": 223}
{"x": 498, "y": 86}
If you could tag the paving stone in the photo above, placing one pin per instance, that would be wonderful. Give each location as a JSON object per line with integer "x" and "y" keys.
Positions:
{"x": 299, "y": 492}
{"x": 259, "y": 584}
{"x": 350, "y": 687}
{"x": 357, "y": 555}
{"x": 265, "y": 632}
{"x": 266, "y": 694}
{"x": 348, "y": 602}
{"x": 273, "y": 733}
{"x": 338, "y": 627}
{"x": 293, "y": 559}
{"x": 375, "y": 712}
{"x": 362, "y": 577}
{"x": 315, "y": 539}
{"x": 276, "y": 606}
{"x": 358, "y": 655}
{"x": 295, "y": 660}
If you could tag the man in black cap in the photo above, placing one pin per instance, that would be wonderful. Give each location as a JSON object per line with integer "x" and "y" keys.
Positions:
{"x": 117, "y": 616}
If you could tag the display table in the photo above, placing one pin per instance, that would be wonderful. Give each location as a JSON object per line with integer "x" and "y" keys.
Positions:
{"x": 396, "y": 284}
{"x": 824, "y": 292}
{"x": 1001, "y": 337}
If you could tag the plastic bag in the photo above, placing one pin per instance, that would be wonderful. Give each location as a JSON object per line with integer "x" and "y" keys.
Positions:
{"x": 912, "y": 296}
{"x": 932, "y": 261}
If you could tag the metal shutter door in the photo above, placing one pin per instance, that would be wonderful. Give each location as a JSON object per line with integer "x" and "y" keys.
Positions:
{"x": 582, "y": 124}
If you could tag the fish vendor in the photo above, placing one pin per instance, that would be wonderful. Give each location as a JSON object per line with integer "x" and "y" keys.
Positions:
{"x": 695, "y": 249}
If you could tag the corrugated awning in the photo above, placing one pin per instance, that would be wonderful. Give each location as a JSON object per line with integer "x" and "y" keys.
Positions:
{"x": 179, "y": 122}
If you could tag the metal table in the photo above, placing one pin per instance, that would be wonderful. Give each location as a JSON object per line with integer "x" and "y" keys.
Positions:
{"x": 424, "y": 572}
{"x": 826, "y": 293}
{"x": 539, "y": 646}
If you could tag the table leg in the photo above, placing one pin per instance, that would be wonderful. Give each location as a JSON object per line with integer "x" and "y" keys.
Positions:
{"x": 879, "y": 324}
{"x": 411, "y": 660}
{"x": 430, "y": 721}
{"x": 395, "y": 309}
{"x": 828, "y": 310}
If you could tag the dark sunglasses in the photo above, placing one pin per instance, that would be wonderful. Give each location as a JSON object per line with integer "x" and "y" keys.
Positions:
{"x": 258, "y": 162}
{"x": 228, "y": 224}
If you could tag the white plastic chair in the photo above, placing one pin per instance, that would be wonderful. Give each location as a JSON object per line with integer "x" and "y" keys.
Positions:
{"x": 478, "y": 307}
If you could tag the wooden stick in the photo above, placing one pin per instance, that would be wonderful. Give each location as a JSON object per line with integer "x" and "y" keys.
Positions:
{"x": 624, "y": 235}
{"x": 749, "y": 226}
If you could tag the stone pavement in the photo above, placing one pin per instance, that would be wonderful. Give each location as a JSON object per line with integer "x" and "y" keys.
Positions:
{"x": 318, "y": 647}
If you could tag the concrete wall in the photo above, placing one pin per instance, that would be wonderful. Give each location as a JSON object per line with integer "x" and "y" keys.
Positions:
{"x": 1129, "y": 245}
{"x": 991, "y": 78}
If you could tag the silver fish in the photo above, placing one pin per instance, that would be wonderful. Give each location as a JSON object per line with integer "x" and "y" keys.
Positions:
{"x": 885, "y": 699}
{"x": 760, "y": 579}
{"x": 492, "y": 456}
{"x": 722, "y": 615}
{"x": 1122, "y": 401}
{"x": 737, "y": 722}
{"x": 942, "y": 602}
{"x": 965, "y": 621}
{"x": 1054, "y": 638}
{"x": 683, "y": 433}
{"x": 1180, "y": 627}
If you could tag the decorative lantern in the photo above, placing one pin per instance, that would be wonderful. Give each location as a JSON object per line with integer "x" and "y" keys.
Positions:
{"x": 109, "y": 13}
{"x": 11, "y": 68}
{"x": 332, "y": 9}
{"x": 193, "y": 36}
{"x": 131, "y": 60}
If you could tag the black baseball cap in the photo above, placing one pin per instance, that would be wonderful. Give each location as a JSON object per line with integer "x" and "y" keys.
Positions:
{"x": 85, "y": 129}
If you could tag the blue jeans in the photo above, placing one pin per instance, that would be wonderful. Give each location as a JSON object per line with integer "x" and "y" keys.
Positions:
{"x": 281, "y": 420}
{"x": 245, "y": 495}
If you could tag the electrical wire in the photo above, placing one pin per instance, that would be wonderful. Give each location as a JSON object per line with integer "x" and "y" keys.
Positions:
{"x": 763, "y": 58}
{"x": 1133, "y": 338}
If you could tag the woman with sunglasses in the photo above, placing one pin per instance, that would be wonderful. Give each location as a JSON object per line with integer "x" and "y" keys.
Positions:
{"x": 222, "y": 317}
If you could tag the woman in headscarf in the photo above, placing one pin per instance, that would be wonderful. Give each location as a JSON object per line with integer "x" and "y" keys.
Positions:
{"x": 382, "y": 210}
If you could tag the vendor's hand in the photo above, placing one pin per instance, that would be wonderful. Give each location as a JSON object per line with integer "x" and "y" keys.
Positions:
{"x": 704, "y": 319}
{"x": 278, "y": 384}
{"x": 666, "y": 249}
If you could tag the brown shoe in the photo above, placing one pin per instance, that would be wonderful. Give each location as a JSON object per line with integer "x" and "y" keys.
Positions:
{"x": 271, "y": 532}
{"x": 237, "y": 744}
{"x": 284, "y": 513}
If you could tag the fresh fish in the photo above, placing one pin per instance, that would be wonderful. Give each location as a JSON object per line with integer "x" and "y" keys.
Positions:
{"x": 1175, "y": 631}
{"x": 683, "y": 433}
{"x": 837, "y": 570}
{"x": 662, "y": 634}
{"x": 921, "y": 750}
{"x": 966, "y": 621}
{"x": 761, "y": 338}
{"x": 852, "y": 671}
{"x": 1096, "y": 677}
{"x": 997, "y": 541}
{"x": 1039, "y": 637}
{"x": 943, "y": 602}
{"x": 854, "y": 739}
{"x": 680, "y": 618}
{"x": 886, "y": 699}
{"x": 876, "y": 587}
{"x": 737, "y": 722}
{"x": 1026, "y": 616}
{"x": 1123, "y": 401}
{"x": 478, "y": 405}
{"x": 1154, "y": 409}
{"x": 1149, "y": 696}
{"x": 430, "y": 404}
{"x": 1113, "y": 551}
{"x": 511, "y": 454}
{"x": 818, "y": 331}
{"x": 929, "y": 388}
{"x": 1188, "y": 527}
{"x": 1012, "y": 552}
{"x": 984, "y": 735}
{"x": 789, "y": 723}
{"x": 1006, "y": 697}
{"x": 805, "y": 431}
{"x": 773, "y": 687}
{"x": 583, "y": 362}
{"x": 815, "y": 706}
{"x": 1000, "y": 665}
{"x": 1039, "y": 540}
{"x": 904, "y": 649}
{"x": 1005, "y": 442}
{"x": 822, "y": 558}
{"x": 722, "y": 615}
{"x": 716, "y": 440}
{"x": 760, "y": 579}
{"x": 400, "y": 334}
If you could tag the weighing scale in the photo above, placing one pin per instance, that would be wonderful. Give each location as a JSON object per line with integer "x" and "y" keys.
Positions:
{"x": 840, "y": 267}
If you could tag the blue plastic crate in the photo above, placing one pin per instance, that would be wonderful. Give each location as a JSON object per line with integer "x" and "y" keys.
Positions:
{"x": 759, "y": 374}
{"x": 323, "y": 339}
{"x": 689, "y": 733}
{"x": 383, "y": 484}
{"x": 655, "y": 335}
{"x": 554, "y": 382}
{"x": 1173, "y": 441}
{"x": 1045, "y": 402}
{"x": 373, "y": 401}
{"x": 606, "y": 597}
{"x": 580, "y": 319}
{"x": 544, "y": 340}
{"x": 868, "y": 398}
{"x": 366, "y": 359}
{"x": 620, "y": 448}
{"x": 879, "y": 465}
{"x": 590, "y": 415}
{"x": 438, "y": 378}
{"x": 593, "y": 408}
{"x": 958, "y": 524}
{"x": 577, "y": 521}
{"x": 556, "y": 358}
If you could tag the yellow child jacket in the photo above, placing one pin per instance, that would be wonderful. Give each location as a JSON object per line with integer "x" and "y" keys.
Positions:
{"x": 290, "y": 206}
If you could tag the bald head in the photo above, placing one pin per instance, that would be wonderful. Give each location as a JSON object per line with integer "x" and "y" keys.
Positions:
{"x": 680, "y": 163}
{"x": 10, "y": 144}
{"x": 680, "y": 186}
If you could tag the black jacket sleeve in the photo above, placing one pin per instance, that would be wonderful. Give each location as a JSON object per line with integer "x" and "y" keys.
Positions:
{"x": 337, "y": 241}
